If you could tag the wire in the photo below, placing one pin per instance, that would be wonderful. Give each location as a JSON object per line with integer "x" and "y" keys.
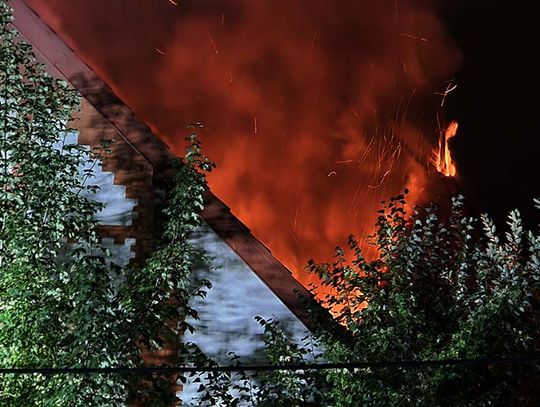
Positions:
{"x": 413, "y": 364}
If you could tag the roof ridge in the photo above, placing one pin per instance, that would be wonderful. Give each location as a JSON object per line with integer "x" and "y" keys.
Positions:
{"x": 67, "y": 64}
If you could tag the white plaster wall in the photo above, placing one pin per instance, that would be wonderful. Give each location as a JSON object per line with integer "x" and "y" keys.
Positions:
{"x": 121, "y": 254}
{"x": 227, "y": 314}
{"x": 117, "y": 210}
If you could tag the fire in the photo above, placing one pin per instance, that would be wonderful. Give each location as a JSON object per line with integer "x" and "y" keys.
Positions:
{"x": 311, "y": 124}
{"x": 442, "y": 156}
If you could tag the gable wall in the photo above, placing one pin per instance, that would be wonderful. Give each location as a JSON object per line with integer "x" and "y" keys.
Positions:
{"x": 129, "y": 170}
{"x": 135, "y": 156}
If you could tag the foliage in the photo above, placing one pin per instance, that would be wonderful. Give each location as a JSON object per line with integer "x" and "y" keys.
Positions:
{"x": 438, "y": 289}
{"x": 48, "y": 295}
{"x": 271, "y": 389}
{"x": 63, "y": 303}
{"x": 281, "y": 387}
{"x": 159, "y": 292}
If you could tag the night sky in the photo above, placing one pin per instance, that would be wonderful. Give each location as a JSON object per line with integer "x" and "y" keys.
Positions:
{"x": 497, "y": 105}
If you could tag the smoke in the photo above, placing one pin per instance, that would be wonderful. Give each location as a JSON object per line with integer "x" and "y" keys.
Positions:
{"x": 314, "y": 111}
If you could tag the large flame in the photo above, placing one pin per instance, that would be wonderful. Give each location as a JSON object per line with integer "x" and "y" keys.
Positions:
{"x": 315, "y": 111}
{"x": 442, "y": 156}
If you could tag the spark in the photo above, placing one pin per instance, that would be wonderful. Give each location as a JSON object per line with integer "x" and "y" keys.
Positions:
{"x": 450, "y": 87}
{"x": 407, "y": 105}
{"x": 332, "y": 173}
{"x": 414, "y": 37}
{"x": 353, "y": 201}
{"x": 343, "y": 161}
{"x": 208, "y": 129}
{"x": 354, "y": 112}
{"x": 160, "y": 51}
{"x": 295, "y": 221}
{"x": 380, "y": 183}
{"x": 398, "y": 109}
{"x": 404, "y": 66}
{"x": 173, "y": 2}
{"x": 294, "y": 227}
{"x": 213, "y": 43}
{"x": 254, "y": 124}
{"x": 314, "y": 39}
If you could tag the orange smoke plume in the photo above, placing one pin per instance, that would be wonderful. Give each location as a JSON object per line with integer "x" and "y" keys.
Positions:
{"x": 314, "y": 111}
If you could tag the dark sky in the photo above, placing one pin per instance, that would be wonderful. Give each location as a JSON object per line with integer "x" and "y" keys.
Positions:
{"x": 496, "y": 104}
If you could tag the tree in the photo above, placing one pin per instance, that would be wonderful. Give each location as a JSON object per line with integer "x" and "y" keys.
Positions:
{"x": 437, "y": 290}
{"x": 63, "y": 303}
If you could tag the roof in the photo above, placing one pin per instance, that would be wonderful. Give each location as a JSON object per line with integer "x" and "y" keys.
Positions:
{"x": 65, "y": 63}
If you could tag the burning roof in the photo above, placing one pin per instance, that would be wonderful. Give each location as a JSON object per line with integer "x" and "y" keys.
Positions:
{"x": 65, "y": 63}
{"x": 314, "y": 111}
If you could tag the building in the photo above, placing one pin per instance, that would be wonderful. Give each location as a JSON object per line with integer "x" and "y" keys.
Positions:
{"x": 133, "y": 179}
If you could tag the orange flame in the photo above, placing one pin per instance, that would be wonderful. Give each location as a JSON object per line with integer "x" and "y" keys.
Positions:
{"x": 442, "y": 157}
{"x": 311, "y": 125}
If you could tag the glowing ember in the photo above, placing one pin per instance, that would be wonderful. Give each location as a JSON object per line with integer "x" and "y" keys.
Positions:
{"x": 442, "y": 157}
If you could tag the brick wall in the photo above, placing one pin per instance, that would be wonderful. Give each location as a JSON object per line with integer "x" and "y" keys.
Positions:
{"x": 136, "y": 174}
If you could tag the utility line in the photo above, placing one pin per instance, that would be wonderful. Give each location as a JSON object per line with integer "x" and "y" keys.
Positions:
{"x": 412, "y": 364}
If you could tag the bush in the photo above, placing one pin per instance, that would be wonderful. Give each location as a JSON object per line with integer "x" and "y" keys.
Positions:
{"x": 63, "y": 303}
